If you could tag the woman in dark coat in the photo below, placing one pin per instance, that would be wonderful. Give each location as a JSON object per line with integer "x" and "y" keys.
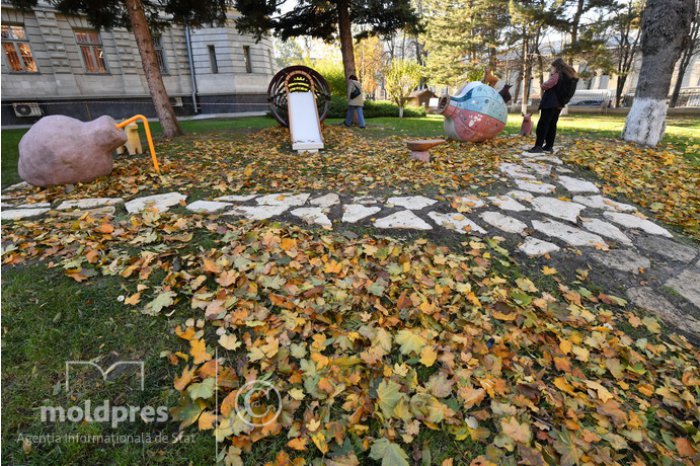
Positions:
{"x": 555, "y": 89}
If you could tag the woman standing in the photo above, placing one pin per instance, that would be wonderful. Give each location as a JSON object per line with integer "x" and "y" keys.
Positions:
{"x": 558, "y": 90}
{"x": 356, "y": 100}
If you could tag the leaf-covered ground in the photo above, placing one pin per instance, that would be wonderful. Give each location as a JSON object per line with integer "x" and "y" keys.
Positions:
{"x": 376, "y": 343}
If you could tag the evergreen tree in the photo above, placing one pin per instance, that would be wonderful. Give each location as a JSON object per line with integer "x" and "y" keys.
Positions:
{"x": 142, "y": 17}
{"x": 327, "y": 20}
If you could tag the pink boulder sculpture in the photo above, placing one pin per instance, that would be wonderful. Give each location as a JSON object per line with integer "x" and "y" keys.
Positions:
{"x": 61, "y": 150}
{"x": 475, "y": 114}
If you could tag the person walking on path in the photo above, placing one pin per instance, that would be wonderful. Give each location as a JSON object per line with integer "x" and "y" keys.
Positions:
{"x": 558, "y": 90}
{"x": 356, "y": 100}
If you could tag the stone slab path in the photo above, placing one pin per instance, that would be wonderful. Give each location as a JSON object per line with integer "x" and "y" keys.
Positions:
{"x": 544, "y": 212}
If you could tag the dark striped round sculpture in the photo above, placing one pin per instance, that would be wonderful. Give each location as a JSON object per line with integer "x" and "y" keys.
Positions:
{"x": 277, "y": 93}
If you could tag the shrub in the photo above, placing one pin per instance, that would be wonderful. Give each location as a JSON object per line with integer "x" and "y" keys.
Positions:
{"x": 373, "y": 109}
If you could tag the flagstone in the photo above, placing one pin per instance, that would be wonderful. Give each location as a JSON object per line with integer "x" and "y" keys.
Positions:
{"x": 599, "y": 202}
{"x": 16, "y": 214}
{"x": 503, "y": 222}
{"x": 686, "y": 284}
{"x": 649, "y": 300}
{"x": 624, "y": 260}
{"x": 632, "y": 221}
{"x": 162, "y": 202}
{"x": 668, "y": 248}
{"x": 236, "y": 197}
{"x": 576, "y": 185}
{"x": 207, "y": 206}
{"x": 403, "y": 219}
{"x": 606, "y": 229}
{"x": 468, "y": 202}
{"x": 568, "y": 234}
{"x": 533, "y": 247}
{"x": 535, "y": 187}
{"x": 455, "y": 221}
{"x": 541, "y": 169}
{"x": 353, "y": 213}
{"x": 325, "y": 201}
{"x": 283, "y": 199}
{"x": 521, "y": 195}
{"x": 262, "y": 212}
{"x": 507, "y": 203}
{"x": 366, "y": 200}
{"x": 411, "y": 202}
{"x": 554, "y": 207}
{"x": 95, "y": 212}
{"x": 89, "y": 203}
{"x": 312, "y": 215}
{"x": 515, "y": 171}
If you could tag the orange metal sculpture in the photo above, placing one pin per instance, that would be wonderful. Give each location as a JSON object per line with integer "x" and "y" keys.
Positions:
{"x": 151, "y": 147}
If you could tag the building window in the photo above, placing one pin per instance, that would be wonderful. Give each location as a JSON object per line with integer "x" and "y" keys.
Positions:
{"x": 91, "y": 50}
{"x": 160, "y": 55}
{"x": 15, "y": 45}
{"x": 212, "y": 59}
{"x": 246, "y": 59}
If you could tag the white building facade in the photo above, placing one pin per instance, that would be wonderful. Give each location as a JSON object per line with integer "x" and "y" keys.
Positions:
{"x": 58, "y": 64}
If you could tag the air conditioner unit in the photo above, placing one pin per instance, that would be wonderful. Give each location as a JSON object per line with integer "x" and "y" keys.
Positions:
{"x": 176, "y": 101}
{"x": 27, "y": 109}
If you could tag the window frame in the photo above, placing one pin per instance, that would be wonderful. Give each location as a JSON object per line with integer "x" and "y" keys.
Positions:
{"x": 213, "y": 62}
{"x": 91, "y": 46}
{"x": 16, "y": 43}
{"x": 160, "y": 53}
{"x": 247, "y": 59}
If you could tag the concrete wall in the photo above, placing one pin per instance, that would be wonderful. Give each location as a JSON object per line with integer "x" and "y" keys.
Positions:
{"x": 63, "y": 86}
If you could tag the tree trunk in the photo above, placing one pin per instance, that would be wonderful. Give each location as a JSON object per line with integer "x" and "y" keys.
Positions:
{"x": 345, "y": 33}
{"x": 144, "y": 41}
{"x": 665, "y": 24}
{"x": 526, "y": 77}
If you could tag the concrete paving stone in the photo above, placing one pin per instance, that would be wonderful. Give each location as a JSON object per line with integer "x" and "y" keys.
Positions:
{"x": 687, "y": 284}
{"x": 411, "y": 202}
{"x": 535, "y": 187}
{"x": 364, "y": 200}
{"x": 649, "y": 300}
{"x": 325, "y": 201}
{"x": 564, "y": 170}
{"x": 262, "y": 212}
{"x": 353, "y": 213}
{"x": 503, "y": 222}
{"x": 548, "y": 158}
{"x": 515, "y": 171}
{"x": 36, "y": 205}
{"x": 467, "y": 202}
{"x": 312, "y": 215}
{"x": 96, "y": 212}
{"x": 606, "y": 229}
{"x": 576, "y": 185}
{"x": 668, "y": 248}
{"x": 533, "y": 247}
{"x": 542, "y": 169}
{"x": 404, "y": 219}
{"x": 283, "y": 199}
{"x": 507, "y": 203}
{"x": 17, "y": 214}
{"x": 207, "y": 206}
{"x": 89, "y": 203}
{"x": 236, "y": 197}
{"x": 521, "y": 195}
{"x": 13, "y": 187}
{"x": 624, "y": 260}
{"x": 632, "y": 221}
{"x": 568, "y": 234}
{"x": 455, "y": 221}
{"x": 162, "y": 202}
{"x": 554, "y": 207}
{"x": 599, "y": 202}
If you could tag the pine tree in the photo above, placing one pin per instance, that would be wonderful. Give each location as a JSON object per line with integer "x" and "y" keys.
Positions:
{"x": 327, "y": 20}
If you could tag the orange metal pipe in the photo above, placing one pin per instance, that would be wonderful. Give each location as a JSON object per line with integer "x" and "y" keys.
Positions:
{"x": 148, "y": 136}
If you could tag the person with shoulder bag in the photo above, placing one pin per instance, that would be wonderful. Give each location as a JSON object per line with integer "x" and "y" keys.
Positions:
{"x": 356, "y": 100}
{"x": 558, "y": 90}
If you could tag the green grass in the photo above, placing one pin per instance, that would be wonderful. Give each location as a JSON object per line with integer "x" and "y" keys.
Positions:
{"x": 680, "y": 132}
